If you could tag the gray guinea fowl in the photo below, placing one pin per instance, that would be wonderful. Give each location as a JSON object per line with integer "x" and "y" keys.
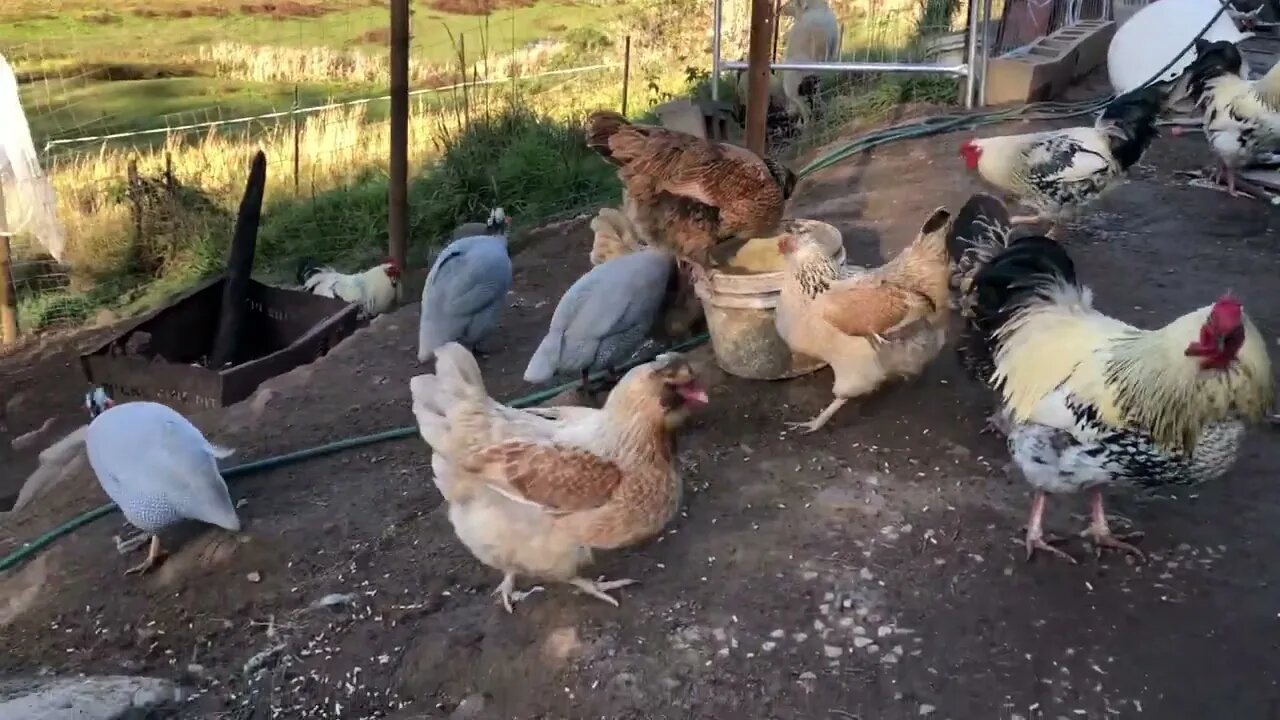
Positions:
{"x": 466, "y": 289}
{"x": 605, "y": 316}
{"x": 158, "y": 467}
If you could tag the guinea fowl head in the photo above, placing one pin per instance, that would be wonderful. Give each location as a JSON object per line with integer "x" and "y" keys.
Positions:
{"x": 96, "y": 401}
{"x": 1221, "y": 336}
{"x": 498, "y": 222}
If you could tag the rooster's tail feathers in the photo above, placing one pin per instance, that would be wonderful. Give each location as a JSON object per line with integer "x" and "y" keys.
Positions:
{"x": 306, "y": 268}
{"x": 981, "y": 229}
{"x": 457, "y": 378}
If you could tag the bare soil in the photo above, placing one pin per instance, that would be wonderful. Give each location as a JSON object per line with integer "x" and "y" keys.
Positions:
{"x": 868, "y": 571}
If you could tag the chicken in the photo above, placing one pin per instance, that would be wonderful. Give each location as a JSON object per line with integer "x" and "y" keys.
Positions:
{"x": 1090, "y": 402}
{"x": 466, "y": 289}
{"x": 869, "y": 325}
{"x": 688, "y": 193}
{"x": 606, "y": 315}
{"x": 534, "y": 492}
{"x": 158, "y": 468}
{"x": 614, "y": 236}
{"x": 1059, "y": 172}
{"x": 1241, "y": 118}
{"x": 374, "y": 290}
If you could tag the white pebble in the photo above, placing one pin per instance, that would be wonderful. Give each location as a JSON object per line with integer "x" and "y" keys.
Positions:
{"x": 832, "y": 651}
{"x": 927, "y": 709}
{"x": 861, "y": 641}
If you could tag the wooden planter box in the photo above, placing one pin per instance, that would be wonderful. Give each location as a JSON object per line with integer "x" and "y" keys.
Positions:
{"x": 161, "y": 357}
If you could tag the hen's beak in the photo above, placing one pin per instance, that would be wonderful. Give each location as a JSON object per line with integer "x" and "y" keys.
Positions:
{"x": 693, "y": 393}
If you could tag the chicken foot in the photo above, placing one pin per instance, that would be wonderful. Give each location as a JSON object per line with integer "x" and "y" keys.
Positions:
{"x": 154, "y": 555}
{"x": 1036, "y": 539}
{"x": 821, "y": 419}
{"x": 511, "y": 596}
{"x": 124, "y": 546}
{"x": 1099, "y": 531}
{"x": 600, "y": 589}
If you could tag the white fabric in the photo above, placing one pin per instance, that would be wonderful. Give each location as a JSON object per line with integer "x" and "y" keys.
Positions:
{"x": 29, "y": 203}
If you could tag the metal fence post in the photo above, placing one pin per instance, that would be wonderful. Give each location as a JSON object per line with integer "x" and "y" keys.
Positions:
{"x": 716, "y": 20}
{"x": 398, "y": 182}
{"x": 971, "y": 53}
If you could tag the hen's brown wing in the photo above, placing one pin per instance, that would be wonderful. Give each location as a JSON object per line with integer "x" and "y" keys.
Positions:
{"x": 873, "y": 309}
{"x": 559, "y": 478}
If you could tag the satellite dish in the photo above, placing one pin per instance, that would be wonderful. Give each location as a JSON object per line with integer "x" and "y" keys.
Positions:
{"x": 1151, "y": 37}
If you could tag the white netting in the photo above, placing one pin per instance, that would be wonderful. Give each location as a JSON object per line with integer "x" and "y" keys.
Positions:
{"x": 29, "y": 203}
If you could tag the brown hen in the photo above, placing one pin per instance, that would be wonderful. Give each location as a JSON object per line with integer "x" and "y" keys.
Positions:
{"x": 689, "y": 193}
{"x": 535, "y": 491}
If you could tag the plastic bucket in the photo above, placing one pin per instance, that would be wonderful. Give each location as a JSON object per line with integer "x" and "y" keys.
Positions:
{"x": 741, "y": 306}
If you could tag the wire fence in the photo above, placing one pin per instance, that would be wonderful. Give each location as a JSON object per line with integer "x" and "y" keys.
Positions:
{"x": 148, "y": 198}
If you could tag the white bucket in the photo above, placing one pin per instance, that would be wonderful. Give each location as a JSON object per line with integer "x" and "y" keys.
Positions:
{"x": 741, "y": 308}
{"x": 1152, "y": 35}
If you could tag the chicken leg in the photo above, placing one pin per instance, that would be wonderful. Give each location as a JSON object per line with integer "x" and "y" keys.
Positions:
{"x": 511, "y": 596}
{"x": 1099, "y": 531}
{"x": 1036, "y": 539}
{"x": 154, "y": 556}
{"x": 821, "y": 419}
{"x": 599, "y": 589}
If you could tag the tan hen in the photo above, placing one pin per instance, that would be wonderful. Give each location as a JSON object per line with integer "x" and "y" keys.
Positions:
{"x": 535, "y": 491}
{"x": 869, "y": 325}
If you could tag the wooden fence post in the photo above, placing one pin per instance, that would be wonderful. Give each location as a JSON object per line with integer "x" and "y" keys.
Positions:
{"x": 8, "y": 294}
{"x": 398, "y": 181}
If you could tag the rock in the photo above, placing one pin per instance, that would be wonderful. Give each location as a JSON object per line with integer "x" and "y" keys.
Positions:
{"x": 89, "y": 698}
{"x": 471, "y": 707}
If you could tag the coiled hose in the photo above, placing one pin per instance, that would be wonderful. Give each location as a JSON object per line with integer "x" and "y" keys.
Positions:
{"x": 936, "y": 125}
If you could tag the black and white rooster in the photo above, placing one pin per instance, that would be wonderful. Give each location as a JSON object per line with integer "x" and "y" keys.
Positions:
{"x": 1088, "y": 401}
{"x": 1058, "y": 172}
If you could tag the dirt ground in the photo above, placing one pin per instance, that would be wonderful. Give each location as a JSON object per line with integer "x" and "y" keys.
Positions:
{"x": 866, "y": 572}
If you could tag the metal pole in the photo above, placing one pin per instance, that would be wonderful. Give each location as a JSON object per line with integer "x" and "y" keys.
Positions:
{"x": 986, "y": 52}
{"x": 762, "y": 21}
{"x": 626, "y": 73}
{"x": 972, "y": 55}
{"x": 777, "y": 26}
{"x": 854, "y": 67}
{"x": 398, "y": 183}
{"x": 297, "y": 143}
{"x": 716, "y": 11}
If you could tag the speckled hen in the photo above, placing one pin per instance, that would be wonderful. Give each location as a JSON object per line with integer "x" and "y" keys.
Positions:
{"x": 466, "y": 289}
{"x": 1090, "y": 402}
{"x": 1059, "y": 172}
{"x": 688, "y": 193}
{"x": 158, "y": 467}
{"x": 535, "y": 491}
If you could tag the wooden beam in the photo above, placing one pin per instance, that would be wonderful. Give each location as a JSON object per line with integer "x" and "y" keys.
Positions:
{"x": 8, "y": 293}
{"x": 762, "y": 22}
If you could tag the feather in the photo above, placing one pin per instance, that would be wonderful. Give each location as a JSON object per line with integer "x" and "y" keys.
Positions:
{"x": 465, "y": 291}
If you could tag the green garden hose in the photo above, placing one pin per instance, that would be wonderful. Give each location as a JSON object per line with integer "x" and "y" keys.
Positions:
{"x": 24, "y": 553}
{"x": 937, "y": 125}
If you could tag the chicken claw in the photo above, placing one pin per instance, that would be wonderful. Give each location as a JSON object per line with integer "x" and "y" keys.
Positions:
{"x": 511, "y": 596}
{"x": 821, "y": 419}
{"x": 124, "y": 546}
{"x": 1099, "y": 531}
{"x": 154, "y": 556}
{"x": 598, "y": 589}
{"x": 1035, "y": 539}
{"x": 997, "y": 424}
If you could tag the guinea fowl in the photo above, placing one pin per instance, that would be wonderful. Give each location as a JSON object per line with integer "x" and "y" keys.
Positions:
{"x": 466, "y": 289}
{"x": 688, "y": 193}
{"x": 606, "y": 315}
{"x": 1088, "y": 401}
{"x": 157, "y": 467}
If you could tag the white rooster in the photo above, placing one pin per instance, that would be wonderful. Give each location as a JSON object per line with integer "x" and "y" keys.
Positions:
{"x": 1241, "y": 118}
{"x": 374, "y": 290}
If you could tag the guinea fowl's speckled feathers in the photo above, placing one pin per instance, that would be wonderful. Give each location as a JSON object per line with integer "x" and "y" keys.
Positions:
{"x": 605, "y": 315}
{"x": 158, "y": 467}
{"x": 464, "y": 293}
